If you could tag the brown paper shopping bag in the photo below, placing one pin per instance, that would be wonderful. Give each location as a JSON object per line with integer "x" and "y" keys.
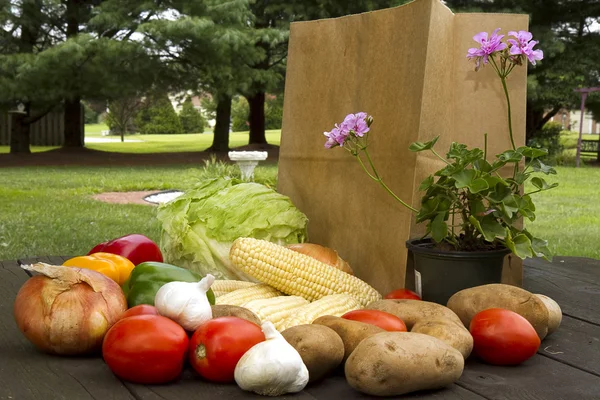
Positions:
{"x": 407, "y": 67}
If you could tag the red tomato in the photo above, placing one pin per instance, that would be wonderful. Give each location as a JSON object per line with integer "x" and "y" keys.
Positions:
{"x": 146, "y": 349}
{"x": 503, "y": 337}
{"x": 218, "y": 344}
{"x": 402, "y": 294}
{"x": 384, "y": 320}
{"x": 142, "y": 309}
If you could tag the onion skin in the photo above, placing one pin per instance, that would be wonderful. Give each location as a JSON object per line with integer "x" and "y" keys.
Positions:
{"x": 323, "y": 254}
{"x": 70, "y": 312}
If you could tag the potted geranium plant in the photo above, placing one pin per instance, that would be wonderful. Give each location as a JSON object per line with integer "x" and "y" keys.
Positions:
{"x": 473, "y": 214}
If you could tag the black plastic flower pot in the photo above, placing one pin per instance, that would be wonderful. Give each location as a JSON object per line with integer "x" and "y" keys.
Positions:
{"x": 443, "y": 273}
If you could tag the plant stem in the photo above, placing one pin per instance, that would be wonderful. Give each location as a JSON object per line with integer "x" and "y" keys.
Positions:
{"x": 485, "y": 146}
{"x": 510, "y": 130}
{"x": 378, "y": 179}
{"x": 365, "y": 168}
{"x": 440, "y": 157}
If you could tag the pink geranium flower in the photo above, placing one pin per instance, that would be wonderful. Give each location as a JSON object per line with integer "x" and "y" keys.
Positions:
{"x": 488, "y": 47}
{"x": 354, "y": 124}
{"x": 523, "y": 45}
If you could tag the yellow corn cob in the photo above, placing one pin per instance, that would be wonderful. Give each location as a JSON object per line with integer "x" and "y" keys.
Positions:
{"x": 275, "y": 309}
{"x": 241, "y": 296}
{"x": 335, "y": 304}
{"x": 296, "y": 274}
{"x": 221, "y": 287}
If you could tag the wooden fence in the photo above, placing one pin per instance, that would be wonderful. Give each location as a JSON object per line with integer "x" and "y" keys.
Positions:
{"x": 47, "y": 131}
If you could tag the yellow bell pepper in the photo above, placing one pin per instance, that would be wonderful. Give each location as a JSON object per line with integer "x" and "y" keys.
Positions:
{"x": 116, "y": 267}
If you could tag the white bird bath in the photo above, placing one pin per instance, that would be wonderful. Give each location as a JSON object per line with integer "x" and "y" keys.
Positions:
{"x": 247, "y": 161}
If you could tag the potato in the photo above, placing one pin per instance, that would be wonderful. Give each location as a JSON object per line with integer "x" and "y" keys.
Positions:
{"x": 469, "y": 302}
{"x": 395, "y": 363}
{"x": 320, "y": 347}
{"x": 448, "y": 331}
{"x": 351, "y": 332}
{"x": 554, "y": 313}
{"x": 412, "y": 311}
{"x": 225, "y": 310}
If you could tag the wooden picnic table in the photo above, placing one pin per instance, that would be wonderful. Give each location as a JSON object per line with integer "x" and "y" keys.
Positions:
{"x": 567, "y": 365}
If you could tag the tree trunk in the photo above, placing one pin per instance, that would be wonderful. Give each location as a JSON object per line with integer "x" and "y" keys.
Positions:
{"x": 72, "y": 116}
{"x": 19, "y": 133}
{"x": 257, "y": 118}
{"x": 221, "y": 132}
{"x": 73, "y": 134}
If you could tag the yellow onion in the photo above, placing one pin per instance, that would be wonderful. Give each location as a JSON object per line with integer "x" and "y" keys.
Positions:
{"x": 323, "y": 254}
{"x": 67, "y": 311}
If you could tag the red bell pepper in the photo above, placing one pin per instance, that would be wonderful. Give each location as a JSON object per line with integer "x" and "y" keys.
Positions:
{"x": 137, "y": 248}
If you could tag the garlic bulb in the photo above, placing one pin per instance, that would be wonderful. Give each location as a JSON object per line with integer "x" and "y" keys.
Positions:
{"x": 272, "y": 367}
{"x": 185, "y": 302}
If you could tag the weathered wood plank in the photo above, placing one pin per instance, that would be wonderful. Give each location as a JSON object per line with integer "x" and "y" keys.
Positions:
{"x": 539, "y": 378}
{"x": 192, "y": 386}
{"x": 336, "y": 387}
{"x": 578, "y": 268}
{"x": 575, "y": 343}
{"x": 28, "y": 374}
{"x": 576, "y": 298}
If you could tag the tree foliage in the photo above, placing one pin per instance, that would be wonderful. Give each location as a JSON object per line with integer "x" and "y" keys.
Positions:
{"x": 191, "y": 119}
{"x": 159, "y": 118}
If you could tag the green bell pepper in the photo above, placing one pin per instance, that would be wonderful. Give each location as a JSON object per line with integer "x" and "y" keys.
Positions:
{"x": 147, "y": 277}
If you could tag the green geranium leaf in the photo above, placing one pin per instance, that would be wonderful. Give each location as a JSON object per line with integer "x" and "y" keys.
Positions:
{"x": 477, "y": 207}
{"x": 541, "y": 184}
{"x": 498, "y": 164}
{"x": 482, "y": 165}
{"x": 457, "y": 151}
{"x": 420, "y": 146}
{"x": 539, "y": 166}
{"x": 532, "y": 152}
{"x": 478, "y": 185}
{"x": 499, "y": 193}
{"x": 520, "y": 245}
{"x": 521, "y": 177}
{"x": 475, "y": 222}
{"x": 464, "y": 178}
{"x": 494, "y": 180}
{"x": 490, "y": 227}
{"x": 439, "y": 228}
{"x": 510, "y": 156}
{"x": 426, "y": 184}
{"x": 540, "y": 248}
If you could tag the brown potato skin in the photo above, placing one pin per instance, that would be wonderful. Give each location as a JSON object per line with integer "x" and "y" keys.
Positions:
{"x": 351, "y": 332}
{"x": 448, "y": 331}
{"x": 469, "y": 302}
{"x": 396, "y": 363}
{"x": 412, "y": 311}
{"x": 225, "y": 310}
{"x": 554, "y": 313}
{"x": 321, "y": 348}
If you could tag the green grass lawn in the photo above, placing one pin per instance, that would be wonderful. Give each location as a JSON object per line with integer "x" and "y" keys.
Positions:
{"x": 50, "y": 211}
{"x": 158, "y": 143}
{"x": 569, "y": 215}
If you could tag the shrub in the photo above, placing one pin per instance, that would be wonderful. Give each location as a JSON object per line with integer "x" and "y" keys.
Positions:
{"x": 273, "y": 112}
{"x": 159, "y": 118}
{"x": 90, "y": 116}
{"x": 240, "y": 111}
{"x": 549, "y": 138}
{"x": 191, "y": 119}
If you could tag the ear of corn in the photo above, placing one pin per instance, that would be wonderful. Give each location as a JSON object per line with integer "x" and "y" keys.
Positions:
{"x": 296, "y": 274}
{"x": 275, "y": 309}
{"x": 241, "y": 296}
{"x": 224, "y": 286}
{"x": 335, "y": 304}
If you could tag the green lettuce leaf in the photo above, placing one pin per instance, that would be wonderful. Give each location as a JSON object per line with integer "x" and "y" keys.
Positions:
{"x": 199, "y": 227}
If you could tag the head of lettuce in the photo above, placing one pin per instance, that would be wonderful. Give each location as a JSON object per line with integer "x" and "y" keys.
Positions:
{"x": 199, "y": 227}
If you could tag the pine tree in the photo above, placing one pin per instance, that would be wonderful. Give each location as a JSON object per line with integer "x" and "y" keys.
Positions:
{"x": 191, "y": 119}
{"x": 56, "y": 53}
{"x": 159, "y": 118}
